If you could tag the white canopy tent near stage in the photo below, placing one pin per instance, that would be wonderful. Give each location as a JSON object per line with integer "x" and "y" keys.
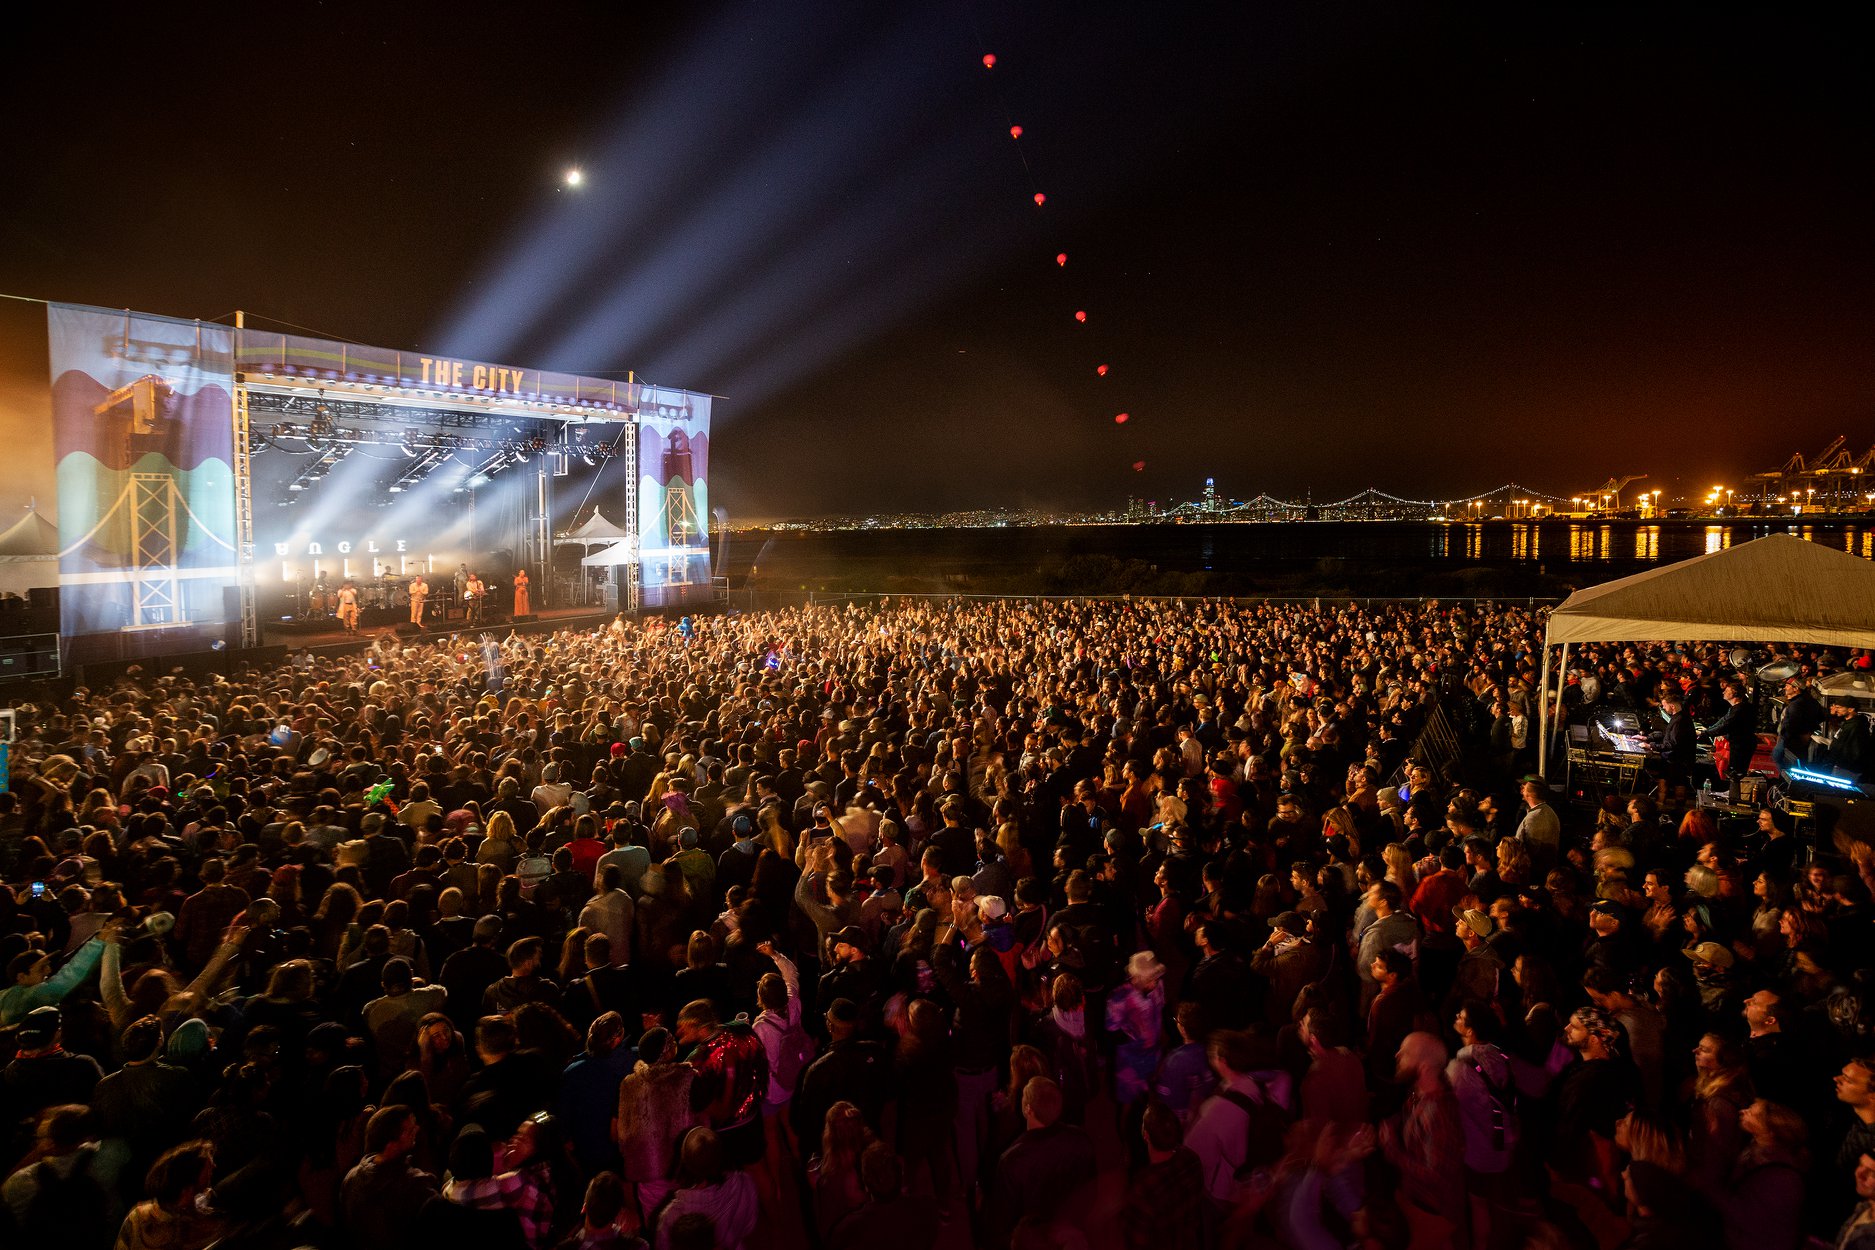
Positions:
{"x": 1780, "y": 588}
{"x": 595, "y": 529}
{"x": 29, "y": 554}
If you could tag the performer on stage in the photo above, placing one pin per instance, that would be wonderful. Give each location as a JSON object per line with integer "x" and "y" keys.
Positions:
{"x": 521, "y": 603}
{"x": 348, "y": 607}
{"x": 419, "y": 591}
{"x": 473, "y": 594}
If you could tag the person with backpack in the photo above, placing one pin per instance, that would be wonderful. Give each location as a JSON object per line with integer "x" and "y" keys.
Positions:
{"x": 1239, "y": 1129}
{"x": 61, "y": 1195}
{"x": 1487, "y": 1106}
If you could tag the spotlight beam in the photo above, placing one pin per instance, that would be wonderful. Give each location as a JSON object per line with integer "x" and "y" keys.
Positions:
{"x": 849, "y": 127}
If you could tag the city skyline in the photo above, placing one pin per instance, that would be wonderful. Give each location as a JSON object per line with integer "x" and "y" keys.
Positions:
{"x": 1834, "y": 480}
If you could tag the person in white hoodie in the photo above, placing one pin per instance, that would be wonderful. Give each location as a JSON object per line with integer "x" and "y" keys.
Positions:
{"x": 783, "y": 1040}
{"x": 1480, "y": 1078}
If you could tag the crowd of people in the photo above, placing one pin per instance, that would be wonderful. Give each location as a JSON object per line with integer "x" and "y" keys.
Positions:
{"x": 999, "y": 923}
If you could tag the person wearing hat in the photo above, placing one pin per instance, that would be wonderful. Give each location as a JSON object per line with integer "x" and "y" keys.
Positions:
{"x": 1480, "y": 974}
{"x": 850, "y": 974}
{"x": 1287, "y": 960}
{"x": 1591, "y": 1096}
{"x": 1712, "y": 972}
{"x": 43, "y": 1074}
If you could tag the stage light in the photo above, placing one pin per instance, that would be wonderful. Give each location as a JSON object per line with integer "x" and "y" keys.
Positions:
{"x": 1827, "y": 780}
{"x": 574, "y": 177}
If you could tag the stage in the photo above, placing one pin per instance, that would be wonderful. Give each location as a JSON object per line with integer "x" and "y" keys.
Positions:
{"x": 325, "y": 635}
{"x": 222, "y": 486}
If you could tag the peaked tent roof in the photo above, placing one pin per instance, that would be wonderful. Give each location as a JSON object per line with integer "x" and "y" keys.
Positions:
{"x": 624, "y": 551}
{"x": 32, "y": 537}
{"x": 595, "y": 529}
{"x": 1780, "y": 588}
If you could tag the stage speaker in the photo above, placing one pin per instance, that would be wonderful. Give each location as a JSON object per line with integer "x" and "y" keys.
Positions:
{"x": 43, "y": 598}
{"x": 528, "y": 619}
{"x": 231, "y": 617}
{"x": 407, "y": 630}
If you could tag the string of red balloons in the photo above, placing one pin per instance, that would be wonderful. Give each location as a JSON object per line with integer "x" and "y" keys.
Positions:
{"x": 1016, "y": 133}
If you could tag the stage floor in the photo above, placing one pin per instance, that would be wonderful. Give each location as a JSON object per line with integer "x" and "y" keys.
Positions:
{"x": 321, "y": 633}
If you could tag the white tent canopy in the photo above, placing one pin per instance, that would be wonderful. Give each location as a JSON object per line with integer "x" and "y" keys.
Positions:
{"x": 595, "y": 529}
{"x": 29, "y": 554}
{"x": 32, "y": 537}
{"x": 624, "y": 551}
{"x": 1776, "y": 589}
{"x": 1780, "y": 588}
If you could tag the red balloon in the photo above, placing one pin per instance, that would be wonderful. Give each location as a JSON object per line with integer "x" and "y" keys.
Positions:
{"x": 1081, "y": 316}
{"x": 989, "y": 60}
{"x": 1040, "y": 199}
{"x": 1101, "y": 370}
{"x": 1015, "y": 132}
{"x": 1139, "y": 466}
{"x": 1121, "y": 418}
{"x": 1061, "y": 258}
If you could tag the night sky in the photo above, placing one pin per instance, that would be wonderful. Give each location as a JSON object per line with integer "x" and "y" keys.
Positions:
{"x": 1322, "y": 246}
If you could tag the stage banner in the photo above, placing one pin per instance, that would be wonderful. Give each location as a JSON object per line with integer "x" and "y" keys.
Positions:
{"x": 143, "y": 435}
{"x": 674, "y": 498}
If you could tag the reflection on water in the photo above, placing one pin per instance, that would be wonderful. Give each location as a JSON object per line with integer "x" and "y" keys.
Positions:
{"x": 1622, "y": 546}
